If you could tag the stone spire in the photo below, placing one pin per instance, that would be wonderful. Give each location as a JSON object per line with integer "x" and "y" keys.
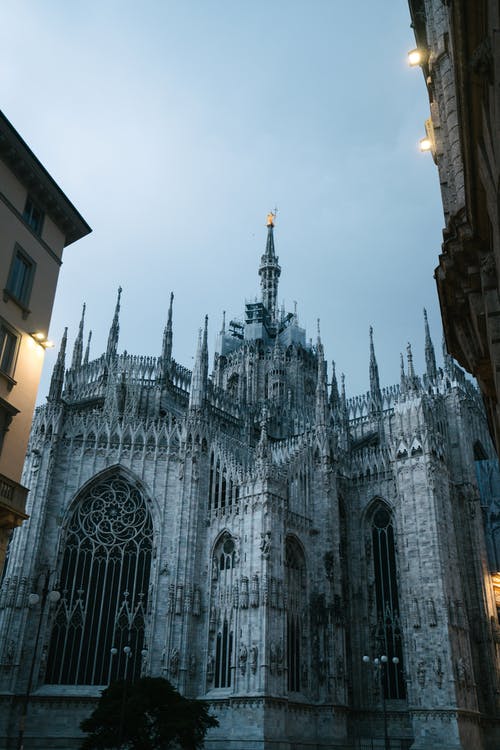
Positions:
{"x": 402, "y": 378}
{"x": 334, "y": 390}
{"x": 114, "y": 330}
{"x": 411, "y": 379}
{"x": 430, "y": 357}
{"x": 57, "y": 379}
{"x": 375, "y": 393}
{"x": 87, "y": 349}
{"x": 321, "y": 388}
{"x": 200, "y": 371}
{"x": 447, "y": 359}
{"x": 344, "y": 414}
{"x": 269, "y": 271}
{"x": 166, "y": 353}
{"x": 76, "y": 360}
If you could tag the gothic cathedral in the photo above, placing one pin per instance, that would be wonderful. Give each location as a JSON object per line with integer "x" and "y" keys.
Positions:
{"x": 318, "y": 568}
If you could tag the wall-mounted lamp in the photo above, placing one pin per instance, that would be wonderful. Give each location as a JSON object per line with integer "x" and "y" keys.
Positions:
{"x": 41, "y": 339}
{"x": 416, "y": 57}
{"x": 428, "y": 143}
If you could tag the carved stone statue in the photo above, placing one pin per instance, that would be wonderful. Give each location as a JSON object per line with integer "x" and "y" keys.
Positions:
{"x": 254, "y": 655}
{"x": 242, "y": 658}
{"x": 210, "y": 668}
{"x": 174, "y": 662}
{"x": 265, "y": 544}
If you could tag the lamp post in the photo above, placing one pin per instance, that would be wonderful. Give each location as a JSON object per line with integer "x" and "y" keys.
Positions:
{"x": 379, "y": 663}
{"x": 128, "y": 655}
{"x": 53, "y": 596}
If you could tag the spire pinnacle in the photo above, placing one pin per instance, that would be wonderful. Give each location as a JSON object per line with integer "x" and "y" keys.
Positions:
{"x": 412, "y": 379}
{"x": 321, "y": 388}
{"x": 167, "y": 334}
{"x": 57, "y": 379}
{"x": 199, "y": 378}
{"x": 114, "y": 330}
{"x": 430, "y": 357}
{"x": 269, "y": 271}
{"x": 375, "y": 393}
{"x": 76, "y": 360}
{"x": 87, "y": 349}
{"x": 334, "y": 389}
{"x": 409, "y": 356}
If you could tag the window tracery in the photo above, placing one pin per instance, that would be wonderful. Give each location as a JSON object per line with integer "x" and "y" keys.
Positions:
{"x": 224, "y": 597}
{"x": 389, "y": 639}
{"x": 295, "y": 573}
{"x": 223, "y": 491}
{"x": 104, "y": 583}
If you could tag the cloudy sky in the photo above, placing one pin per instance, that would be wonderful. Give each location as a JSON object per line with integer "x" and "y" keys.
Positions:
{"x": 175, "y": 126}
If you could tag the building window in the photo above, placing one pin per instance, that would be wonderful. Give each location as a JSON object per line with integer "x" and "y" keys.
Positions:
{"x": 7, "y": 412}
{"x": 33, "y": 216}
{"x": 223, "y": 602}
{"x": 20, "y": 281}
{"x": 387, "y": 600}
{"x": 9, "y": 341}
{"x": 104, "y": 582}
{"x": 295, "y": 572}
{"x": 223, "y": 657}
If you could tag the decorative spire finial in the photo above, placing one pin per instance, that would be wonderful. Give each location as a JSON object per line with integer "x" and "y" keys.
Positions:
{"x": 269, "y": 272}
{"x": 112, "y": 347}
{"x": 57, "y": 379}
{"x": 166, "y": 353}
{"x": 334, "y": 390}
{"x": 271, "y": 217}
{"x": 87, "y": 349}
{"x": 412, "y": 380}
{"x": 76, "y": 360}
{"x": 430, "y": 357}
{"x": 199, "y": 378}
{"x": 321, "y": 387}
{"x": 375, "y": 392}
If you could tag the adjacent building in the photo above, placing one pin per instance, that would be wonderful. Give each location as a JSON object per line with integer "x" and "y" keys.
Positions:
{"x": 460, "y": 58}
{"x": 260, "y": 540}
{"x": 37, "y": 222}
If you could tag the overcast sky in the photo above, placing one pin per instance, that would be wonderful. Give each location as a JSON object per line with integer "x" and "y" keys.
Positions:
{"x": 175, "y": 126}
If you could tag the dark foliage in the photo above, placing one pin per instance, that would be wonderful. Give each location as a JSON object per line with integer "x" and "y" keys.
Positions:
{"x": 147, "y": 715}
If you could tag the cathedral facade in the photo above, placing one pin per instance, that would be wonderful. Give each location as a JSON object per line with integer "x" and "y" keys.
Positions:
{"x": 313, "y": 566}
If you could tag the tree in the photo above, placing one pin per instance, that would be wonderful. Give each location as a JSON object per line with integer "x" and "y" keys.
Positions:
{"x": 148, "y": 715}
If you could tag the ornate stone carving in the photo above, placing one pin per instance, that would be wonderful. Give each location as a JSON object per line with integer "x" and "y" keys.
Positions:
{"x": 438, "y": 671}
{"x": 254, "y": 655}
{"x": 210, "y": 668}
{"x": 254, "y": 592}
{"x": 244, "y": 593}
{"x": 265, "y": 544}
{"x": 174, "y": 662}
{"x": 421, "y": 673}
{"x": 242, "y": 658}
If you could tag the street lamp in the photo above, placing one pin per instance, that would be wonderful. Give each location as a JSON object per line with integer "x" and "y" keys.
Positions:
{"x": 53, "y": 596}
{"x": 379, "y": 663}
{"x": 128, "y": 655}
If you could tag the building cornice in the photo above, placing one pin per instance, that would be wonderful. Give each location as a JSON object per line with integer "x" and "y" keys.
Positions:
{"x": 31, "y": 172}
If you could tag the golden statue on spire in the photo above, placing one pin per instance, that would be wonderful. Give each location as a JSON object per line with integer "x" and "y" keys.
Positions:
{"x": 271, "y": 218}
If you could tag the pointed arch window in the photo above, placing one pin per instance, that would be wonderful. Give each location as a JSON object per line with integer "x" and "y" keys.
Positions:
{"x": 295, "y": 569}
{"x": 104, "y": 583}
{"x": 224, "y": 599}
{"x": 387, "y": 600}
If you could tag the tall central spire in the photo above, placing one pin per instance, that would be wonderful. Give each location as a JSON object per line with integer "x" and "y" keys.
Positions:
{"x": 269, "y": 270}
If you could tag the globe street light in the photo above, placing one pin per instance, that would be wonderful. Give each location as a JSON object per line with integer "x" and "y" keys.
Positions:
{"x": 379, "y": 663}
{"x": 52, "y": 596}
{"x": 128, "y": 655}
